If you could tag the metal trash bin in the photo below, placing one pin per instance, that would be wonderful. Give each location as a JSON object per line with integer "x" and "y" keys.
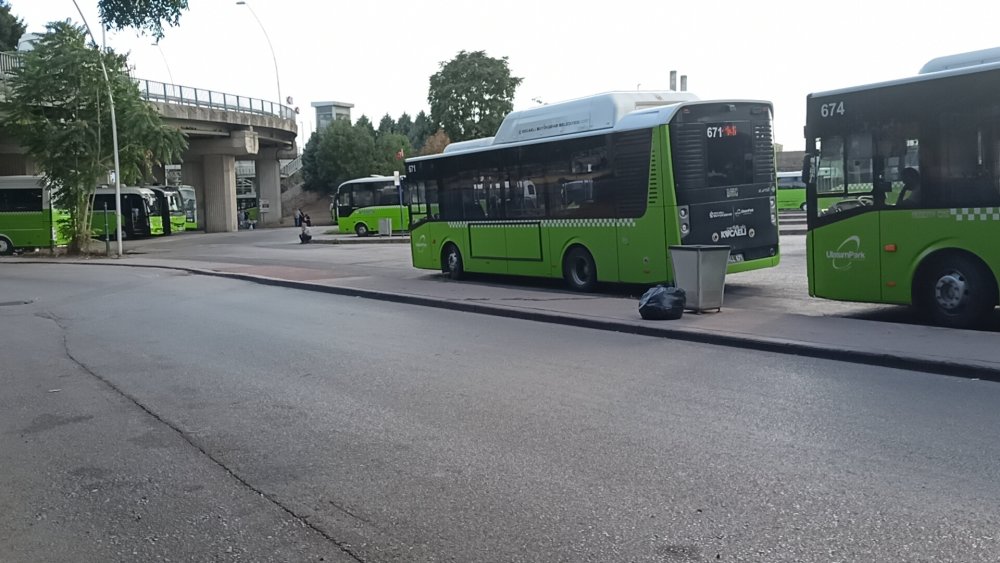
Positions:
{"x": 385, "y": 227}
{"x": 700, "y": 270}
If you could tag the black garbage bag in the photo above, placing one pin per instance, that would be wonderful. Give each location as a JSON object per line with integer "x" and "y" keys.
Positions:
{"x": 662, "y": 303}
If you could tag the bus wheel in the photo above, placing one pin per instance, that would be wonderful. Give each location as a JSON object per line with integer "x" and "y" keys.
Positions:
{"x": 6, "y": 247}
{"x": 803, "y": 206}
{"x": 361, "y": 229}
{"x": 451, "y": 262}
{"x": 579, "y": 269}
{"x": 956, "y": 290}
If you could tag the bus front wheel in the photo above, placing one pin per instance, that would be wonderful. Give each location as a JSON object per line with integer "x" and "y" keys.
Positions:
{"x": 956, "y": 290}
{"x": 6, "y": 247}
{"x": 361, "y": 229}
{"x": 579, "y": 269}
{"x": 451, "y": 263}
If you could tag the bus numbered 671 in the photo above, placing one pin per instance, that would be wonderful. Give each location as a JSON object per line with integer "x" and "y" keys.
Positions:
{"x": 903, "y": 190}
{"x": 596, "y": 190}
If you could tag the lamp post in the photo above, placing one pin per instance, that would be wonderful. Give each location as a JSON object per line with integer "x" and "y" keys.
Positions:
{"x": 165, "y": 63}
{"x": 276, "y": 77}
{"x": 114, "y": 137}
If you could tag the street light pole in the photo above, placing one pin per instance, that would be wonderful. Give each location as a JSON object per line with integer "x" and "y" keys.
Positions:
{"x": 114, "y": 136}
{"x": 165, "y": 63}
{"x": 277, "y": 79}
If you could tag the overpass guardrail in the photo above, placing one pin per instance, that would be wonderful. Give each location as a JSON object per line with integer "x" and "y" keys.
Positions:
{"x": 163, "y": 92}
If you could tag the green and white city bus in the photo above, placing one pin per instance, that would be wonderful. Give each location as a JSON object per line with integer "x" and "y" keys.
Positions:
{"x": 26, "y": 216}
{"x": 903, "y": 190}
{"x": 359, "y": 204}
{"x": 791, "y": 191}
{"x": 190, "y": 207}
{"x": 140, "y": 211}
{"x": 597, "y": 189}
{"x": 171, "y": 207}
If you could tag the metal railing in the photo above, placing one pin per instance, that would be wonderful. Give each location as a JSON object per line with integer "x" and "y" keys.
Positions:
{"x": 188, "y": 96}
{"x": 292, "y": 167}
{"x": 185, "y": 95}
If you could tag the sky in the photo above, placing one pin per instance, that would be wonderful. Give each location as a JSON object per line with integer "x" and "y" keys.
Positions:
{"x": 379, "y": 56}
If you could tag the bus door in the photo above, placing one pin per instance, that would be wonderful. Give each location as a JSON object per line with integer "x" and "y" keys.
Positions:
{"x": 345, "y": 200}
{"x": 844, "y": 239}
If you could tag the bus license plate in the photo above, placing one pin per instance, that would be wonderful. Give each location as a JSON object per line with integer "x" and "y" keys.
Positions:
{"x": 733, "y": 258}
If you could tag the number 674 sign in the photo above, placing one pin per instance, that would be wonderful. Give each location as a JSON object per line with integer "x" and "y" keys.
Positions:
{"x": 831, "y": 109}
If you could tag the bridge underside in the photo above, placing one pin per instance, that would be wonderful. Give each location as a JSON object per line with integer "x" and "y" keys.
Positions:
{"x": 216, "y": 139}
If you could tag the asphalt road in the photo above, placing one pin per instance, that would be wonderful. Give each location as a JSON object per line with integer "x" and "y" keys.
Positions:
{"x": 149, "y": 415}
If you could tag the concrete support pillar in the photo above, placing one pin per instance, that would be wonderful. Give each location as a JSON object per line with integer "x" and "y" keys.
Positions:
{"x": 220, "y": 193}
{"x": 193, "y": 174}
{"x": 269, "y": 186}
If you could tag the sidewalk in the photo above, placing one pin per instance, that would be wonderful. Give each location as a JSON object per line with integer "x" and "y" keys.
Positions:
{"x": 931, "y": 349}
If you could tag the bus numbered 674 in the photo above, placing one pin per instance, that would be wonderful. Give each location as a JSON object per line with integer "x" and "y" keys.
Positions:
{"x": 596, "y": 190}
{"x": 903, "y": 190}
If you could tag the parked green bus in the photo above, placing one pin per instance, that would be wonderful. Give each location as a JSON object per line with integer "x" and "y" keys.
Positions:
{"x": 190, "y": 207}
{"x": 903, "y": 190}
{"x": 26, "y": 216}
{"x": 597, "y": 189}
{"x": 140, "y": 212}
{"x": 171, "y": 207}
{"x": 791, "y": 191}
{"x": 359, "y": 204}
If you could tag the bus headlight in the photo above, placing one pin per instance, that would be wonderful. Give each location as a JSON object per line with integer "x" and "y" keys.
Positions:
{"x": 684, "y": 219}
{"x": 774, "y": 212}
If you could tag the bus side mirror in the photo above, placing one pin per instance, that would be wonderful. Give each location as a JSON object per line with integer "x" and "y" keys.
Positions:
{"x": 807, "y": 168}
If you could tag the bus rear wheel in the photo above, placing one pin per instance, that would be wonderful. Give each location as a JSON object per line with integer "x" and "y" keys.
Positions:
{"x": 361, "y": 229}
{"x": 451, "y": 262}
{"x": 6, "y": 247}
{"x": 956, "y": 290}
{"x": 579, "y": 269}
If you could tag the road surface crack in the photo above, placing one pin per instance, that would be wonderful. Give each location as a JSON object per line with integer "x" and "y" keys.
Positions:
{"x": 343, "y": 546}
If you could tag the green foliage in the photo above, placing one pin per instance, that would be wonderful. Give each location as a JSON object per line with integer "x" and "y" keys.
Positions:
{"x": 386, "y": 126}
{"x": 422, "y": 129}
{"x": 56, "y": 106}
{"x": 11, "y": 28}
{"x": 365, "y": 124}
{"x": 338, "y": 153}
{"x": 144, "y": 15}
{"x": 471, "y": 95}
{"x": 390, "y": 150}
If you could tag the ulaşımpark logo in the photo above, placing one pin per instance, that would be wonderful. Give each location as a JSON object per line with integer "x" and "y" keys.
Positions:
{"x": 846, "y": 254}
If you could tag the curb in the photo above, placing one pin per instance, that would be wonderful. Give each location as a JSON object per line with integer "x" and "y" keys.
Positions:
{"x": 763, "y": 344}
{"x": 366, "y": 240}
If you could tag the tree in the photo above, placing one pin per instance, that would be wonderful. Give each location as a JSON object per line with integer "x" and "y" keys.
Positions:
{"x": 390, "y": 150}
{"x": 386, "y": 126}
{"x": 421, "y": 130}
{"x": 338, "y": 153}
{"x": 435, "y": 144}
{"x": 11, "y": 28}
{"x": 365, "y": 124}
{"x": 146, "y": 16}
{"x": 56, "y": 107}
{"x": 471, "y": 95}
{"x": 404, "y": 125}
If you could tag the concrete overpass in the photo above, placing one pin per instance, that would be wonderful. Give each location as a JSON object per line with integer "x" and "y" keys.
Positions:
{"x": 220, "y": 129}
